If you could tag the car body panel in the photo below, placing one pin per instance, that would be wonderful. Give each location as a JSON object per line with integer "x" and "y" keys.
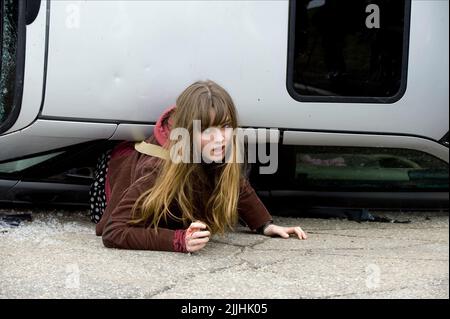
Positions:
{"x": 136, "y": 80}
{"x": 132, "y": 132}
{"x": 46, "y": 135}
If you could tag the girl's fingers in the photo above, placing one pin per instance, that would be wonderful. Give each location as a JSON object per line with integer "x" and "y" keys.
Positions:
{"x": 283, "y": 234}
{"x": 197, "y": 225}
{"x": 300, "y": 233}
{"x": 198, "y": 241}
{"x": 200, "y": 234}
{"x": 194, "y": 227}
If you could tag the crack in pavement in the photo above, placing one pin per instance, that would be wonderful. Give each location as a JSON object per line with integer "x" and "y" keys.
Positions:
{"x": 243, "y": 262}
{"x": 342, "y": 248}
{"x": 262, "y": 240}
{"x": 160, "y": 291}
{"x": 378, "y": 237}
{"x": 191, "y": 277}
{"x": 244, "y": 249}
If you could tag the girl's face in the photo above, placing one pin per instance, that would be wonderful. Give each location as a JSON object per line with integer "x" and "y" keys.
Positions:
{"x": 213, "y": 141}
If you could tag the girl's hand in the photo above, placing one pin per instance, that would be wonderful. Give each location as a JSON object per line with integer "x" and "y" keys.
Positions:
{"x": 195, "y": 238}
{"x": 284, "y": 232}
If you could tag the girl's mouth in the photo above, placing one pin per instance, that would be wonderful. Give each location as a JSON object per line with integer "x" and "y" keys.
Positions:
{"x": 219, "y": 150}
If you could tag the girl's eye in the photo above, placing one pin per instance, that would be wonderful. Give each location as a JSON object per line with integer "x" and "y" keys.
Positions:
{"x": 210, "y": 129}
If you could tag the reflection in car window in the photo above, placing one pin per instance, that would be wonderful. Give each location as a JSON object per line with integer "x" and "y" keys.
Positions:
{"x": 20, "y": 165}
{"x": 350, "y": 48}
{"x": 9, "y": 26}
{"x": 369, "y": 168}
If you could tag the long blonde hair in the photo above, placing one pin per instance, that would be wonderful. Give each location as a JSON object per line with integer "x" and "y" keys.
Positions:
{"x": 208, "y": 195}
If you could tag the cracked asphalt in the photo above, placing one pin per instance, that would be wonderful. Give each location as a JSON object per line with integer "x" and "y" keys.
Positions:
{"x": 57, "y": 255}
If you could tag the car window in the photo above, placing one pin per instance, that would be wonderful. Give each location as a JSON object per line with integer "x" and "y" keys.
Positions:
{"x": 370, "y": 168}
{"x": 20, "y": 165}
{"x": 331, "y": 168}
{"x": 9, "y": 35}
{"x": 352, "y": 49}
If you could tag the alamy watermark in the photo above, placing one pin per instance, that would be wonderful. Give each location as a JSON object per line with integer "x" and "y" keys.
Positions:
{"x": 373, "y": 273}
{"x": 73, "y": 16}
{"x": 373, "y": 19}
{"x": 73, "y": 276}
{"x": 216, "y": 145}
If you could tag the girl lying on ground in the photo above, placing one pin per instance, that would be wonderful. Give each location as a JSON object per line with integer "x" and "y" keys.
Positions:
{"x": 140, "y": 201}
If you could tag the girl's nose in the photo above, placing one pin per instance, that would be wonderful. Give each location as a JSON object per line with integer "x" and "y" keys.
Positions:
{"x": 219, "y": 136}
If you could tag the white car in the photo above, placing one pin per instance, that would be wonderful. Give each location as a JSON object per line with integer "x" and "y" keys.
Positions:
{"x": 357, "y": 91}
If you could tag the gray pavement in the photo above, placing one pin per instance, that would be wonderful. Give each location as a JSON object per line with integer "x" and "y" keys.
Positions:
{"x": 57, "y": 255}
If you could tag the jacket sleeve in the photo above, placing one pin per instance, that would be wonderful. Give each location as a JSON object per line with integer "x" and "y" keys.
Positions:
{"x": 250, "y": 208}
{"x": 118, "y": 234}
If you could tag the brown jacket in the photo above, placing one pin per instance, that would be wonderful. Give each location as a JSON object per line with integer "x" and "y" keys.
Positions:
{"x": 126, "y": 171}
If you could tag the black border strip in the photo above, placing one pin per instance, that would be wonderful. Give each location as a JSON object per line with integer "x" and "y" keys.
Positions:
{"x": 276, "y": 308}
{"x": 20, "y": 70}
{"x": 341, "y": 99}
